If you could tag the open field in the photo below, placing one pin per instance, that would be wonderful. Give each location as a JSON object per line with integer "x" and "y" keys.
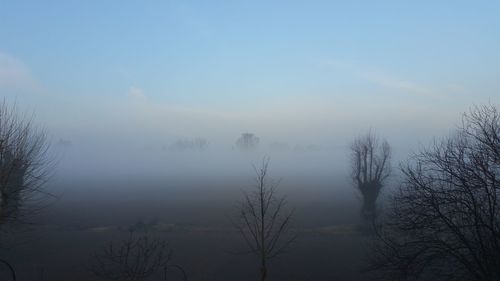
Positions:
{"x": 194, "y": 215}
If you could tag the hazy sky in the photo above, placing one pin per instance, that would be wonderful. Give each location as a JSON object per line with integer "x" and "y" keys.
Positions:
{"x": 310, "y": 71}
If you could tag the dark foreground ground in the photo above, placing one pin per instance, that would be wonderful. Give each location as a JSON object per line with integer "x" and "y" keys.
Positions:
{"x": 195, "y": 217}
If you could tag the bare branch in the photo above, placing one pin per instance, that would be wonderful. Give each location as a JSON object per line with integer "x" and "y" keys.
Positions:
{"x": 24, "y": 162}
{"x": 444, "y": 221}
{"x": 135, "y": 259}
{"x": 370, "y": 167}
{"x": 264, "y": 222}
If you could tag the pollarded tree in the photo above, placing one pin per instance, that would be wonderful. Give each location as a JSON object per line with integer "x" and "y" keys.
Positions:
{"x": 444, "y": 221}
{"x": 370, "y": 167}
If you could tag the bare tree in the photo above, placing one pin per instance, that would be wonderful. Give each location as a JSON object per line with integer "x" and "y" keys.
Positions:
{"x": 247, "y": 141}
{"x": 370, "y": 167}
{"x": 444, "y": 221}
{"x": 24, "y": 166}
{"x": 24, "y": 162}
{"x": 135, "y": 259}
{"x": 264, "y": 221}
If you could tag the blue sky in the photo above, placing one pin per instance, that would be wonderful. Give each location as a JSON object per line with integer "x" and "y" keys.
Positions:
{"x": 283, "y": 69}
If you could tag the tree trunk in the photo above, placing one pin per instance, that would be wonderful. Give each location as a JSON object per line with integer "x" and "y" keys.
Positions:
{"x": 369, "y": 209}
{"x": 370, "y": 192}
{"x": 263, "y": 272}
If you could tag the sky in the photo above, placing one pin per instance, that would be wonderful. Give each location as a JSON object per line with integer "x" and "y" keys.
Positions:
{"x": 319, "y": 72}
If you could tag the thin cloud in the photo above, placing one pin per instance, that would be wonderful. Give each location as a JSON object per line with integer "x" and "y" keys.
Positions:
{"x": 136, "y": 93}
{"x": 389, "y": 81}
{"x": 15, "y": 75}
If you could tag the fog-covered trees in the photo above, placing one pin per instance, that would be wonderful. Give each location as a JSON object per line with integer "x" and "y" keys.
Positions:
{"x": 198, "y": 144}
{"x": 370, "y": 167}
{"x": 444, "y": 221}
{"x": 24, "y": 161}
{"x": 264, "y": 221}
{"x": 247, "y": 141}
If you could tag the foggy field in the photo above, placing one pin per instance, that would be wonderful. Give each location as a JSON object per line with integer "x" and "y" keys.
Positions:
{"x": 194, "y": 215}
{"x": 192, "y": 200}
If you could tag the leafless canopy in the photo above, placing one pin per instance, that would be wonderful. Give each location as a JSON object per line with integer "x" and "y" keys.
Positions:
{"x": 264, "y": 220}
{"x": 444, "y": 222}
{"x": 135, "y": 259}
{"x": 24, "y": 161}
{"x": 370, "y": 167}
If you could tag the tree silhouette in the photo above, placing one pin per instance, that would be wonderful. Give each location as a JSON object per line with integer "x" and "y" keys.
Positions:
{"x": 139, "y": 257}
{"x": 24, "y": 166}
{"x": 24, "y": 162}
{"x": 263, "y": 220}
{"x": 247, "y": 141}
{"x": 370, "y": 167}
{"x": 444, "y": 221}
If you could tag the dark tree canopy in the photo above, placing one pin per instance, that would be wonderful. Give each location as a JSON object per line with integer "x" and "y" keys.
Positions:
{"x": 370, "y": 167}
{"x": 444, "y": 222}
{"x": 24, "y": 161}
{"x": 247, "y": 141}
{"x": 24, "y": 166}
